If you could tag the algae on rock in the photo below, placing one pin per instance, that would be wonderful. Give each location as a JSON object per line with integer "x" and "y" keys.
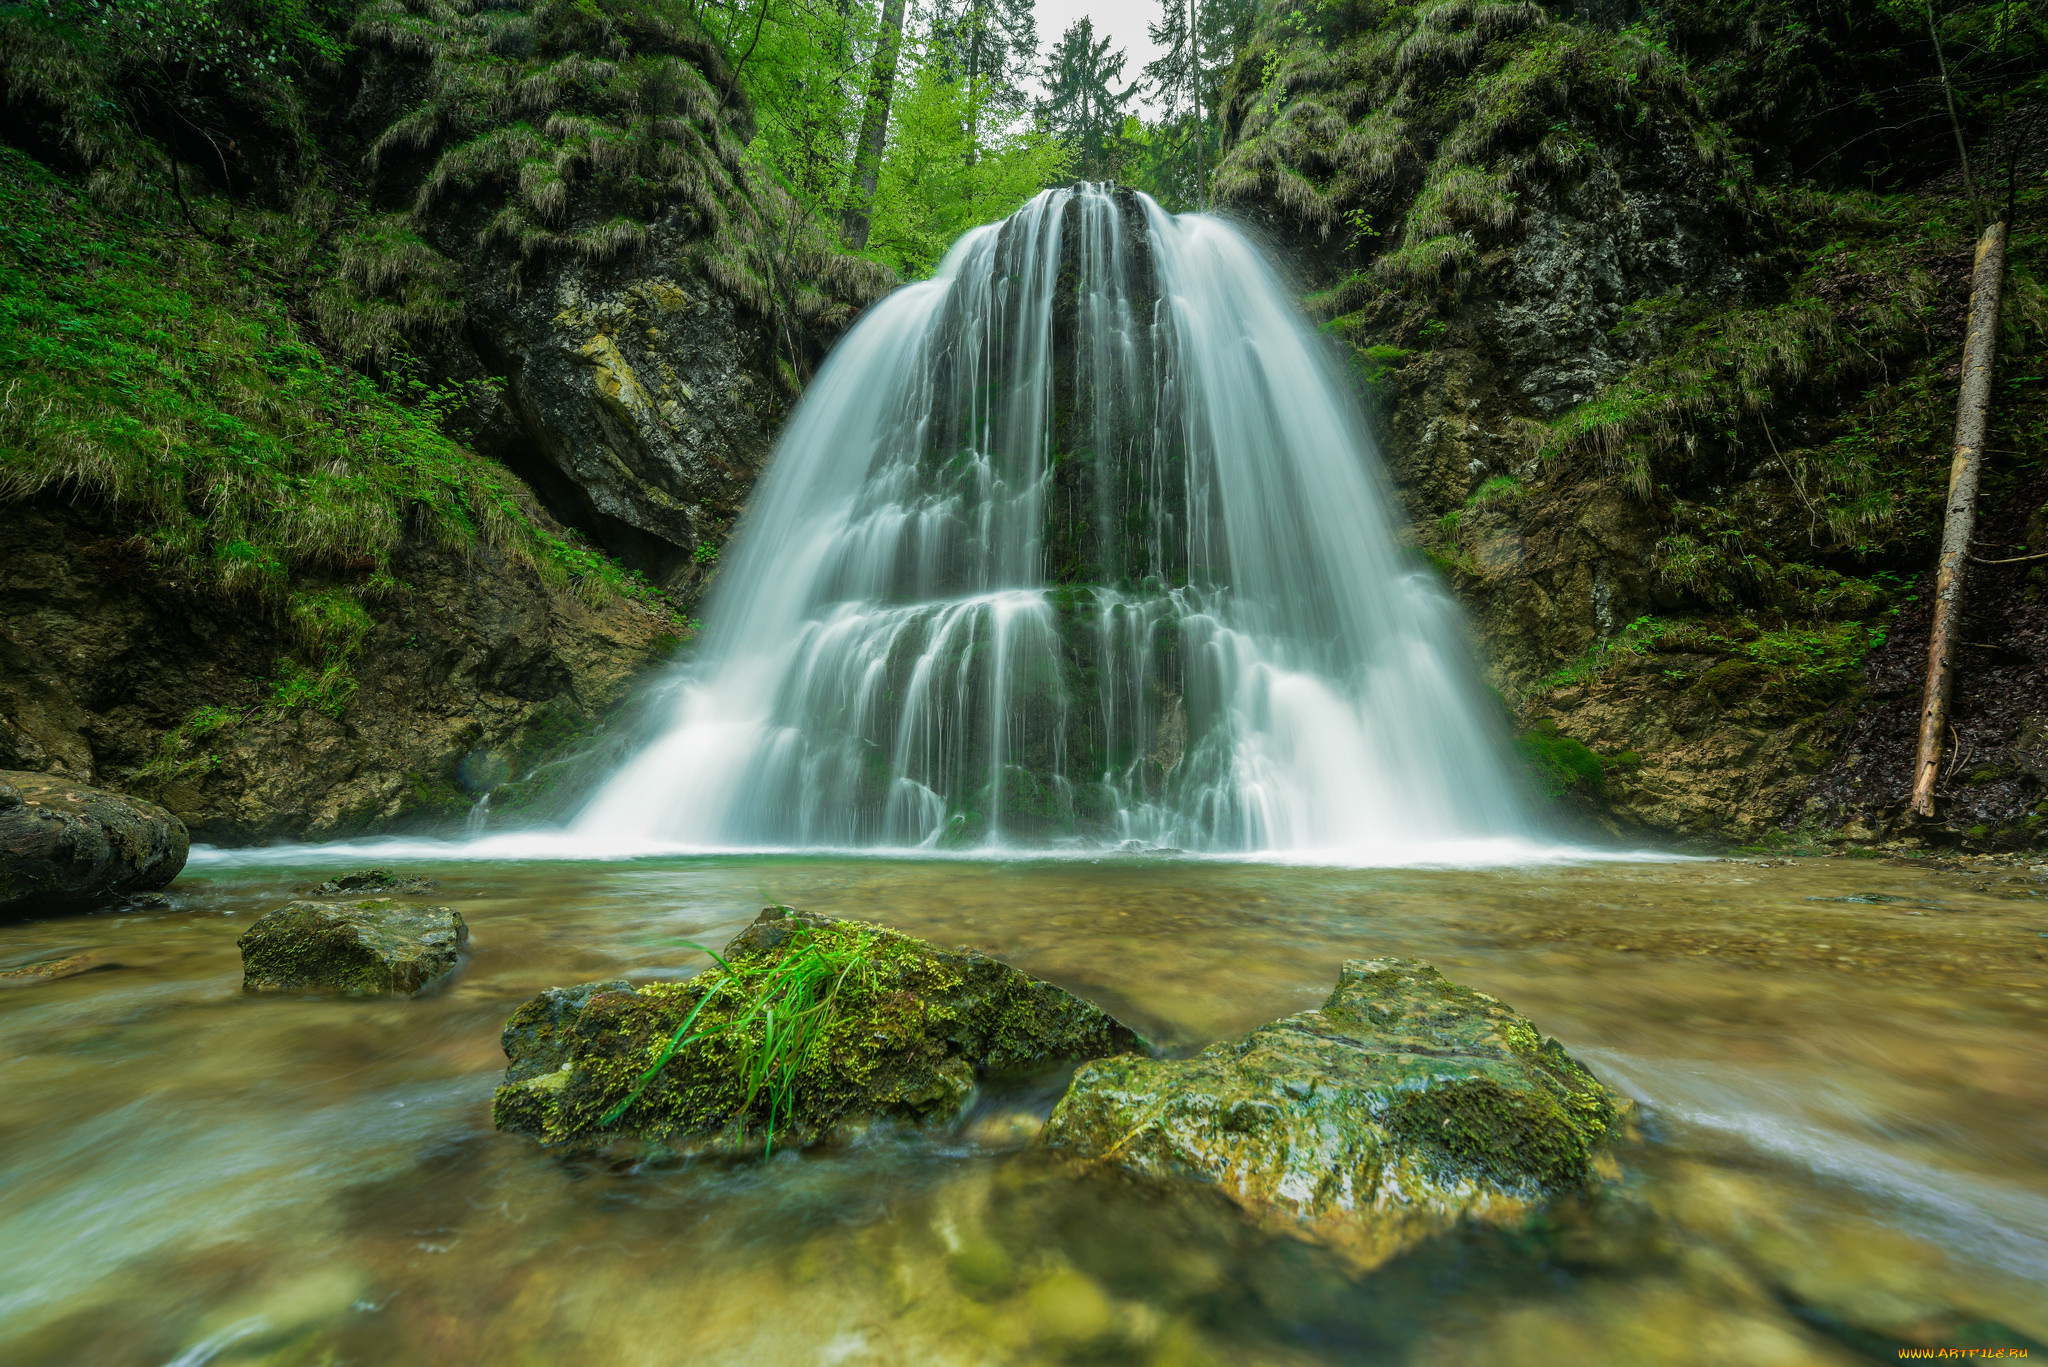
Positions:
{"x": 376, "y": 947}
{"x": 1403, "y": 1105}
{"x": 911, "y": 1032}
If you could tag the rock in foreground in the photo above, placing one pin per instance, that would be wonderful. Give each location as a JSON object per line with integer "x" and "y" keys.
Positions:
{"x": 64, "y": 845}
{"x": 904, "y": 1031}
{"x": 1404, "y": 1104}
{"x": 365, "y": 949}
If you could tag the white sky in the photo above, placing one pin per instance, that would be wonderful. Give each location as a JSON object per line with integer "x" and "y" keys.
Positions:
{"x": 1124, "y": 20}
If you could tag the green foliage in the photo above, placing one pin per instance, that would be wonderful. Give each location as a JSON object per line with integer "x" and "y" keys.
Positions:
{"x": 163, "y": 375}
{"x": 1814, "y": 660}
{"x": 954, "y": 162}
{"x": 1637, "y": 637}
{"x": 1496, "y": 490}
{"x": 782, "y": 1009}
{"x": 324, "y": 688}
{"x": 1085, "y": 103}
{"x": 1848, "y": 94}
{"x": 182, "y": 749}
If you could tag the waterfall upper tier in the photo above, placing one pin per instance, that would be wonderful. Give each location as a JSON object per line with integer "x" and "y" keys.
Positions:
{"x": 1081, "y": 540}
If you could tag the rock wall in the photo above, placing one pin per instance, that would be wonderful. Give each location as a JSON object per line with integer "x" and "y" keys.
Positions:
{"x": 118, "y": 674}
{"x": 256, "y": 580}
{"x": 644, "y": 303}
{"x": 1663, "y": 422}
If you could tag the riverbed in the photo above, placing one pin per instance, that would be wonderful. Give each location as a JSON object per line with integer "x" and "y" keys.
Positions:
{"x": 1841, "y": 1068}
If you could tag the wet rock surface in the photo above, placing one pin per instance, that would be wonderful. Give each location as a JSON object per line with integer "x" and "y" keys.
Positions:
{"x": 1405, "y": 1104}
{"x": 478, "y": 670}
{"x": 371, "y": 880}
{"x": 375, "y": 947}
{"x": 64, "y": 846}
{"x": 910, "y": 1032}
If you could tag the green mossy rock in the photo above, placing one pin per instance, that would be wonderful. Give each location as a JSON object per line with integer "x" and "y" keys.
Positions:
{"x": 363, "y": 949}
{"x": 908, "y": 1041}
{"x": 64, "y": 846}
{"x": 1403, "y": 1105}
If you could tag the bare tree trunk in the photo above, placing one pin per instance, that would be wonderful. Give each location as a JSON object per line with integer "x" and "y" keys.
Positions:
{"x": 874, "y": 128}
{"x": 1955, "y": 123}
{"x": 1980, "y": 346}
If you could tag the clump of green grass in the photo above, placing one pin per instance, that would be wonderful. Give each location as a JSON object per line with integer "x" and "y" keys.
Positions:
{"x": 1633, "y": 639}
{"x": 782, "y": 1011}
{"x": 182, "y": 751}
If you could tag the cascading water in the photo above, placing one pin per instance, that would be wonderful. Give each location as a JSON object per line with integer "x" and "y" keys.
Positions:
{"x": 1078, "y": 542}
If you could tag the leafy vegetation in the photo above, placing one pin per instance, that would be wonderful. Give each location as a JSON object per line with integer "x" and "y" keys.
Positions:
{"x": 161, "y": 372}
{"x": 779, "y": 1014}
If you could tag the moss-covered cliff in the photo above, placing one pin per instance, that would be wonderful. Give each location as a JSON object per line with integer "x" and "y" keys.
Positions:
{"x": 378, "y": 385}
{"x": 1668, "y": 394}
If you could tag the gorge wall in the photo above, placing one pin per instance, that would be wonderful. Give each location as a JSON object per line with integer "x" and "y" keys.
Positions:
{"x": 355, "y": 467}
{"x": 1669, "y": 398}
{"x": 364, "y": 436}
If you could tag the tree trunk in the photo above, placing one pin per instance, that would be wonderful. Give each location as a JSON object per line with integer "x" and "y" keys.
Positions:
{"x": 874, "y": 127}
{"x": 1980, "y": 346}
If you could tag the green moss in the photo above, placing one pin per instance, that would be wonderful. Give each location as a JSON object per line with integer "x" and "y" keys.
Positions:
{"x": 887, "y": 1027}
{"x": 165, "y": 375}
{"x": 1559, "y": 764}
{"x": 430, "y": 796}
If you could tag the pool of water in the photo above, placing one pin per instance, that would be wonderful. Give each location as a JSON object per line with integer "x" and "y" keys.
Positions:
{"x": 1842, "y": 1068}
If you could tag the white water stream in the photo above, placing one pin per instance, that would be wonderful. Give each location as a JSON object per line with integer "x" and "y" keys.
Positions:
{"x": 1079, "y": 542}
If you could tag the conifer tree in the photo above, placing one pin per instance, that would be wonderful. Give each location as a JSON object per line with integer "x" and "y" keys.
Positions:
{"x": 1083, "y": 105}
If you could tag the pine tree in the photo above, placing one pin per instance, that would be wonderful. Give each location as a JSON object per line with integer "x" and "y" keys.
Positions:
{"x": 1083, "y": 106}
{"x": 991, "y": 46}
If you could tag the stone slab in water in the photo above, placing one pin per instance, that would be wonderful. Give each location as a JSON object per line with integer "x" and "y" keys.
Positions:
{"x": 376, "y": 947}
{"x": 909, "y": 1039}
{"x": 365, "y": 881}
{"x": 1402, "y": 1105}
{"x": 64, "y": 845}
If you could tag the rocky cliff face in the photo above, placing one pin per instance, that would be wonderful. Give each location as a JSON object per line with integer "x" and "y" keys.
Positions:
{"x": 564, "y": 211}
{"x": 244, "y": 570}
{"x": 1673, "y": 428}
{"x": 117, "y": 674}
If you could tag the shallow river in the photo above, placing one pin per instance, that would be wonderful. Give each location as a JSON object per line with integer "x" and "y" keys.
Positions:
{"x": 1842, "y": 1065}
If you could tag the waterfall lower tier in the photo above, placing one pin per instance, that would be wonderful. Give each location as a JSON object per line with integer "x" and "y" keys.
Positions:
{"x": 1079, "y": 542}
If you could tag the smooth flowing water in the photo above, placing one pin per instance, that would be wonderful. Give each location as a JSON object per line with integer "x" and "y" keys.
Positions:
{"x": 1079, "y": 542}
{"x": 1843, "y": 1069}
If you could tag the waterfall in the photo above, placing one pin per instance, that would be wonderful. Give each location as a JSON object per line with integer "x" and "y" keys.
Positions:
{"x": 1080, "y": 542}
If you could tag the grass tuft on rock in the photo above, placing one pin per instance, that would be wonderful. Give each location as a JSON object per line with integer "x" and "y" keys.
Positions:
{"x": 781, "y": 1012}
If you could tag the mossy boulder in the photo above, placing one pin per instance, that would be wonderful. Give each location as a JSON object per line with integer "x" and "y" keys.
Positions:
{"x": 909, "y": 1033}
{"x": 1404, "y": 1104}
{"x": 64, "y": 846}
{"x": 372, "y": 948}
